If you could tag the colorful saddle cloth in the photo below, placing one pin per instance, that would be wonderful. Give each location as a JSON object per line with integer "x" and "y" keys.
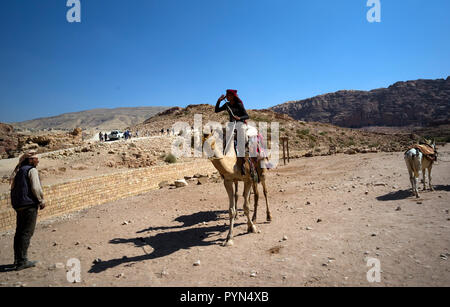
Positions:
{"x": 426, "y": 150}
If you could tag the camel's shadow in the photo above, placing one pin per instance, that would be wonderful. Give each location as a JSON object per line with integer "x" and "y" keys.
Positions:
{"x": 168, "y": 242}
{"x": 442, "y": 187}
{"x": 404, "y": 194}
{"x": 397, "y": 195}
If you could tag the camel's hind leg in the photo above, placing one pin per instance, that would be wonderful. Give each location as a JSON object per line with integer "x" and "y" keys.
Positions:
{"x": 231, "y": 211}
{"x": 251, "y": 226}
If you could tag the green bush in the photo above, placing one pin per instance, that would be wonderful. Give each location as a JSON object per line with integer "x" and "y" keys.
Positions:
{"x": 170, "y": 158}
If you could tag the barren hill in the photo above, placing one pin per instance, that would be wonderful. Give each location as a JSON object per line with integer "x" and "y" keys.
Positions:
{"x": 417, "y": 103}
{"x": 106, "y": 119}
{"x": 305, "y": 138}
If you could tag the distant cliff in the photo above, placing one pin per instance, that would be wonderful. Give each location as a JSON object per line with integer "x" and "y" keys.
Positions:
{"x": 419, "y": 102}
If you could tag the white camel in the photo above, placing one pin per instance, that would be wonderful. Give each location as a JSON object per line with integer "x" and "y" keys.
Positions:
{"x": 417, "y": 161}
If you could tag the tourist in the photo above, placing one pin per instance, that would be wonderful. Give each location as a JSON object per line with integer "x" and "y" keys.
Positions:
{"x": 26, "y": 198}
{"x": 237, "y": 112}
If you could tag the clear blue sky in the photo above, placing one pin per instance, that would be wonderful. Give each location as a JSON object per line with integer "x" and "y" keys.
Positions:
{"x": 175, "y": 53}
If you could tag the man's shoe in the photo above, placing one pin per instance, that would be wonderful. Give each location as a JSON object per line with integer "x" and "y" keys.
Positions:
{"x": 26, "y": 265}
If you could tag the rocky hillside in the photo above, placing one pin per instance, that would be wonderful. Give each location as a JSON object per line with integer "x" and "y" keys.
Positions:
{"x": 417, "y": 103}
{"x": 8, "y": 141}
{"x": 12, "y": 143}
{"x": 104, "y": 119}
{"x": 305, "y": 138}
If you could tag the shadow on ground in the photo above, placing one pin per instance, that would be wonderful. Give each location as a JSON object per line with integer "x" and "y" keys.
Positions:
{"x": 168, "y": 242}
{"x": 7, "y": 268}
{"x": 442, "y": 188}
{"x": 402, "y": 194}
{"x": 190, "y": 220}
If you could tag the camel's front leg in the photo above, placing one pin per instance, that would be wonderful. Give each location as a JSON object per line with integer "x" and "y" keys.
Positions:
{"x": 236, "y": 197}
{"x": 429, "y": 179}
{"x": 424, "y": 182}
{"x": 231, "y": 211}
{"x": 269, "y": 215}
{"x": 247, "y": 186}
{"x": 255, "y": 210}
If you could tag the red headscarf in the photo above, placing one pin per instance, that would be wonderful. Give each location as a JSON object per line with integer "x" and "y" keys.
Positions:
{"x": 234, "y": 94}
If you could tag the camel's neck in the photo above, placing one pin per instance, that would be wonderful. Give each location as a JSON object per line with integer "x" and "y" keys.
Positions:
{"x": 224, "y": 163}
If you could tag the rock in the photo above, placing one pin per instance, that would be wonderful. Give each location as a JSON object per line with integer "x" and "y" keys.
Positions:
{"x": 77, "y": 132}
{"x": 202, "y": 180}
{"x": 380, "y": 184}
{"x": 308, "y": 228}
{"x": 197, "y": 263}
{"x": 163, "y": 184}
{"x": 253, "y": 274}
{"x": 308, "y": 203}
{"x": 319, "y": 220}
{"x": 285, "y": 238}
{"x": 398, "y": 208}
{"x": 181, "y": 183}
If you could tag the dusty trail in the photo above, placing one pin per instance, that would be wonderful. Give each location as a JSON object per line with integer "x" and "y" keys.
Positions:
{"x": 334, "y": 212}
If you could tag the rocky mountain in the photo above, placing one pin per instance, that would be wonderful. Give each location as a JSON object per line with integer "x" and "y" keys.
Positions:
{"x": 416, "y": 103}
{"x": 104, "y": 119}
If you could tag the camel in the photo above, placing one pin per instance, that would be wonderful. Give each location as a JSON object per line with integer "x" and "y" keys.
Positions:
{"x": 226, "y": 164}
{"x": 417, "y": 161}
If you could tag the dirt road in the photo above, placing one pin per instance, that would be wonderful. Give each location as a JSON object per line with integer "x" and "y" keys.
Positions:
{"x": 330, "y": 215}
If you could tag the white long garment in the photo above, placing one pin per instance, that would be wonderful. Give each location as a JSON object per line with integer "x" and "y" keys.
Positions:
{"x": 36, "y": 184}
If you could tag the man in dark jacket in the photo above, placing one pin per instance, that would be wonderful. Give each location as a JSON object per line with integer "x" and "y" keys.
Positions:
{"x": 237, "y": 113}
{"x": 26, "y": 198}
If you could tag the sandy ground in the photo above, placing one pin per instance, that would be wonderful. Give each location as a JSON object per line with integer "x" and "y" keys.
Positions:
{"x": 330, "y": 214}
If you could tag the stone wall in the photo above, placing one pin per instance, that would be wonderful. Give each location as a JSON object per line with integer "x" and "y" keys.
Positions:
{"x": 77, "y": 194}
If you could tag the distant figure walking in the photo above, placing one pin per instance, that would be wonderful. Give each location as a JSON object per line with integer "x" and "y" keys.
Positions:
{"x": 100, "y": 136}
{"x": 26, "y": 198}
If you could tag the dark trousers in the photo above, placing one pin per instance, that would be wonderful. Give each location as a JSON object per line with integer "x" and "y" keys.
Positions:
{"x": 26, "y": 223}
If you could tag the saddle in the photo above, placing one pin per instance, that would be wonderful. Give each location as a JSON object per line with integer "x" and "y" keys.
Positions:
{"x": 426, "y": 150}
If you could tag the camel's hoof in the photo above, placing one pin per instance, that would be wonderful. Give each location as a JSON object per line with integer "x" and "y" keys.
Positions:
{"x": 417, "y": 196}
{"x": 269, "y": 218}
{"x": 252, "y": 229}
{"x": 254, "y": 219}
{"x": 228, "y": 243}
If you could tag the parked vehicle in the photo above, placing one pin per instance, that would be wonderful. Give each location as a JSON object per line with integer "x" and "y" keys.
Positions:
{"x": 115, "y": 135}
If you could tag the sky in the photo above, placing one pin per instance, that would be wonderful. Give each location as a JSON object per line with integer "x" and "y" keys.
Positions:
{"x": 178, "y": 52}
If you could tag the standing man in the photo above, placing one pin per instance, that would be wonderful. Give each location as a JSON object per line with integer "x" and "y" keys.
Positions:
{"x": 26, "y": 198}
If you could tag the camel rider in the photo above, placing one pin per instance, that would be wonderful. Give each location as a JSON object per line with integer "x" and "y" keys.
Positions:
{"x": 237, "y": 112}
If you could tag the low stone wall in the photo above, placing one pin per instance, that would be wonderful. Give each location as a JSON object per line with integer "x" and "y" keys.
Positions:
{"x": 78, "y": 194}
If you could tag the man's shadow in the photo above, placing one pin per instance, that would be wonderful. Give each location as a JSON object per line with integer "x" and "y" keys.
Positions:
{"x": 169, "y": 242}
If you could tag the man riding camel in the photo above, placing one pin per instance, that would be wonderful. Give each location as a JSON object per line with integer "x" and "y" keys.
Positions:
{"x": 237, "y": 112}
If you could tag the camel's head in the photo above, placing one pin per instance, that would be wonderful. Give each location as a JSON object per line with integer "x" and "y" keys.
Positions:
{"x": 432, "y": 144}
